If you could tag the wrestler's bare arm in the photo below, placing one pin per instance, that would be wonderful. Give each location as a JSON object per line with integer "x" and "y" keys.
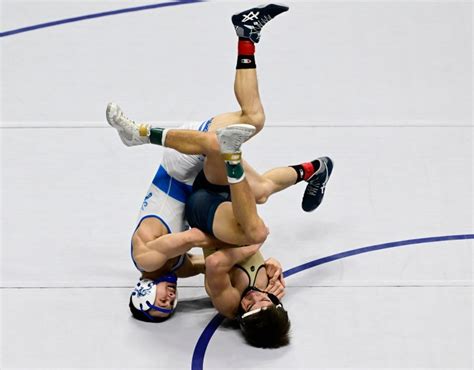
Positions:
{"x": 224, "y": 296}
{"x": 153, "y": 254}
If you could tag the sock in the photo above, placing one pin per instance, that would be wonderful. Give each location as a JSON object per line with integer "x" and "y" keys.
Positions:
{"x": 305, "y": 170}
{"x": 246, "y": 57}
{"x": 157, "y": 135}
{"x": 235, "y": 172}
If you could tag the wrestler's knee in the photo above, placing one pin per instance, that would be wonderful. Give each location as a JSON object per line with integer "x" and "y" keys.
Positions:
{"x": 256, "y": 118}
{"x": 261, "y": 199}
{"x": 212, "y": 144}
{"x": 213, "y": 263}
{"x": 262, "y": 189}
{"x": 257, "y": 233}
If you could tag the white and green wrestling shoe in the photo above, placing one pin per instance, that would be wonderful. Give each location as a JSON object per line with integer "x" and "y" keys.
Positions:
{"x": 230, "y": 140}
{"x": 129, "y": 131}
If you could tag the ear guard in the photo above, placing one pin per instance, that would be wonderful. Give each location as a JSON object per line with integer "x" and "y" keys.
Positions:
{"x": 144, "y": 294}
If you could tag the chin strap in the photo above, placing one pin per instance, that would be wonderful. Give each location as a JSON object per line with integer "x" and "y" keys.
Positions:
{"x": 169, "y": 278}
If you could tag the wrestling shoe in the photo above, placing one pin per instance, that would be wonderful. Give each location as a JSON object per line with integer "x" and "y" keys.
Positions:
{"x": 129, "y": 131}
{"x": 249, "y": 23}
{"x": 231, "y": 138}
{"x": 314, "y": 193}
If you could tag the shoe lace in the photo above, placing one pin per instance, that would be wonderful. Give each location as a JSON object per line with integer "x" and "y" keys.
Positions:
{"x": 261, "y": 22}
{"x": 315, "y": 185}
{"x": 236, "y": 143}
{"x": 313, "y": 189}
{"x": 131, "y": 123}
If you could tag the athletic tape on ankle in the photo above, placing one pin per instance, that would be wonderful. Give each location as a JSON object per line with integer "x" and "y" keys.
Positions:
{"x": 232, "y": 157}
{"x": 144, "y": 130}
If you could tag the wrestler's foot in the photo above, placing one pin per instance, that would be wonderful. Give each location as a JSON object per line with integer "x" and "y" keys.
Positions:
{"x": 130, "y": 132}
{"x": 249, "y": 23}
{"x": 231, "y": 138}
{"x": 314, "y": 193}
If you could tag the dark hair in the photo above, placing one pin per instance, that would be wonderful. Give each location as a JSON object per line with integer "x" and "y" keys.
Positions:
{"x": 268, "y": 328}
{"x": 140, "y": 315}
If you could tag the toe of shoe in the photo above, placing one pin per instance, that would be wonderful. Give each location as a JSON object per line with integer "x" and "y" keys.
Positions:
{"x": 111, "y": 107}
{"x": 309, "y": 206}
{"x": 112, "y": 110}
{"x": 329, "y": 164}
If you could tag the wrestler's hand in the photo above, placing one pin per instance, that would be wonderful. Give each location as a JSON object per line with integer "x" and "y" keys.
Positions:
{"x": 276, "y": 288}
{"x": 276, "y": 284}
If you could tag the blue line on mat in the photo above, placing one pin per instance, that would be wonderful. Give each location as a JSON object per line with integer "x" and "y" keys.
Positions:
{"x": 208, "y": 332}
{"x": 97, "y": 15}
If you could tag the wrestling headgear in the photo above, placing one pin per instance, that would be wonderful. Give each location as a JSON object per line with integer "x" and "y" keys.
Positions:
{"x": 143, "y": 297}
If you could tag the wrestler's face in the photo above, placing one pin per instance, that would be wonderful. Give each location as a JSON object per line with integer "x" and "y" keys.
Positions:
{"x": 255, "y": 299}
{"x": 165, "y": 297}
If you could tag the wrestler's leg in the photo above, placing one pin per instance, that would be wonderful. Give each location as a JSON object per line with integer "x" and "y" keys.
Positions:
{"x": 245, "y": 83}
{"x": 247, "y": 95}
{"x": 271, "y": 182}
{"x": 251, "y": 112}
{"x": 245, "y": 86}
{"x": 237, "y": 222}
{"x": 262, "y": 186}
{"x": 243, "y": 205}
{"x": 192, "y": 142}
{"x": 278, "y": 179}
{"x": 226, "y": 228}
{"x": 315, "y": 173}
{"x": 246, "y": 92}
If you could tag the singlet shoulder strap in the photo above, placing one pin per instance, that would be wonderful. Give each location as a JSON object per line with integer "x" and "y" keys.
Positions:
{"x": 254, "y": 280}
{"x": 256, "y": 274}
{"x": 179, "y": 263}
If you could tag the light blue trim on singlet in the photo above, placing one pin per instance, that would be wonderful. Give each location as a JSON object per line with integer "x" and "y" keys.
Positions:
{"x": 171, "y": 187}
{"x": 139, "y": 223}
{"x": 205, "y": 125}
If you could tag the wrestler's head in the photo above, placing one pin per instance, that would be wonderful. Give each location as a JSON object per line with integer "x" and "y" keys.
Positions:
{"x": 263, "y": 320}
{"x": 154, "y": 300}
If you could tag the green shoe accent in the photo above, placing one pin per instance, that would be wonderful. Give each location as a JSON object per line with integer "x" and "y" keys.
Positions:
{"x": 156, "y": 135}
{"x": 235, "y": 172}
